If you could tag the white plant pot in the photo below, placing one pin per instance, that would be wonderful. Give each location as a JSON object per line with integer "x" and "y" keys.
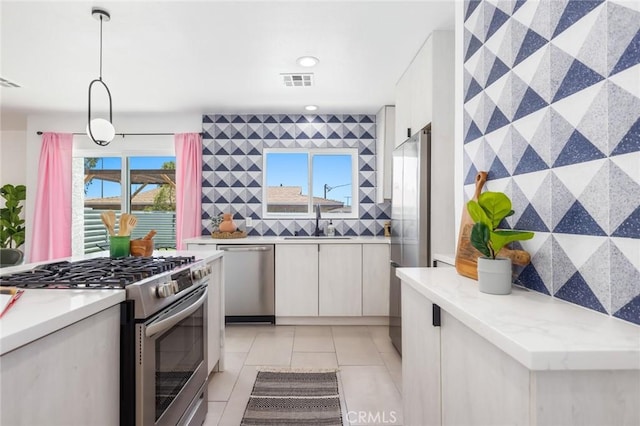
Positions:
{"x": 494, "y": 275}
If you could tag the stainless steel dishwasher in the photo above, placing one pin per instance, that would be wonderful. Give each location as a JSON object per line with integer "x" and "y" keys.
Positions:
{"x": 249, "y": 286}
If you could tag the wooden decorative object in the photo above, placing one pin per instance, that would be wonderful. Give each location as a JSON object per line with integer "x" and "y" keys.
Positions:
{"x": 466, "y": 254}
{"x": 141, "y": 247}
{"x": 228, "y": 235}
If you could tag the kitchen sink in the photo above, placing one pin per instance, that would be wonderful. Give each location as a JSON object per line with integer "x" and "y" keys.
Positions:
{"x": 323, "y": 237}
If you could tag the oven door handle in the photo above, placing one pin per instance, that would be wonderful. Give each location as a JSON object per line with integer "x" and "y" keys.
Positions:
{"x": 167, "y": 323}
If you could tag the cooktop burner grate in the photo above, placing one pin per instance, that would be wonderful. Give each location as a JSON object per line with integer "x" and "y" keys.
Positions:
{"x": 97, "y": 273}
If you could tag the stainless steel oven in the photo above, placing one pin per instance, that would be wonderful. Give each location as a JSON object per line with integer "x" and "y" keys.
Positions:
{"x": 163, "y": 330}
{"x": 171, "y": 370}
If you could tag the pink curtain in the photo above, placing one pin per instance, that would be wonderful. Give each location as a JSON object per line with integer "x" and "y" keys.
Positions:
{"x": 51, "y": 232}
{"x": 188, "y": 186}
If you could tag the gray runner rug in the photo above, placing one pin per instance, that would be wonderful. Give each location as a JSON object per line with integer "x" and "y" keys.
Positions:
{"x": 294, "y": 398}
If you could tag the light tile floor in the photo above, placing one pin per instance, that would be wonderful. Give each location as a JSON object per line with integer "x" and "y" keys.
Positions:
{"x": 369, "y": 369}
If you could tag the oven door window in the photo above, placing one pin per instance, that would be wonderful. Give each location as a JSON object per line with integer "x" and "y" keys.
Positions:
{"x": 179, "y": 352}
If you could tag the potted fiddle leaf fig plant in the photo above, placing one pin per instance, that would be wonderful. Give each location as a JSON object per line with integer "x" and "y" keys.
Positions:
{"x": 12, "y": 230}
{"x": 494, "y": 273}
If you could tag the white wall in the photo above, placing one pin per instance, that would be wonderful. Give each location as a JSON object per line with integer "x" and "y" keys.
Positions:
{"x": 13, "y": 156}
{"x": 83, "y": 146}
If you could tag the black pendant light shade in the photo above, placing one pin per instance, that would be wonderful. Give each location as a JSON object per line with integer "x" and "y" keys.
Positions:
{"x": 100, "y": 131}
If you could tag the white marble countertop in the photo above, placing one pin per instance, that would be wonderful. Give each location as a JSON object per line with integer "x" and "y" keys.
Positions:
{"x": 291, "y": 240}
{"x": 40, "y": 312}
{"x": 541, "y": 332}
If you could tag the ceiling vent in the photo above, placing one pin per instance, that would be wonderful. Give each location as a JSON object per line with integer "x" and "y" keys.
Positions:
{"x": 297, "y": 80}
{"x": 7, "y": 83}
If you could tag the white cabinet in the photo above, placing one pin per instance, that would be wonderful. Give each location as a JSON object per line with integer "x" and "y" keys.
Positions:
{"x": 427, "y": 82}
{"x": 332, "y": 280}
{"x": 403, "y": 108}
{"x": 201, "y": 247}
{"x": 70, "y": 377}
{"x": 215, "y": 314}
{"x": 340, "y": 280}
{"x": 375, "y": 279}
{"x": 420, "y": 361}
{"x": 425, "y": 95}
{"x": 421, "y": 87}
{"x": 385, "y": 142}
{"x": 451, "y": 375}
{"x": 481, "y": 385}
{"x": 296, "y": 280}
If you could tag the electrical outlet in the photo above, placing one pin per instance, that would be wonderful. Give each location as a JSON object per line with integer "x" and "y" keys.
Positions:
{"x": 248, "y": 222}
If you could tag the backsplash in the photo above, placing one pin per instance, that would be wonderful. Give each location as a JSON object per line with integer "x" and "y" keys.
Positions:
{"x": 233, "y": 162}
{"x": 551, "y": 110}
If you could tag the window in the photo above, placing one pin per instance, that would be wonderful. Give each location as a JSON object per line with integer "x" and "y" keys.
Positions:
{"x": 295, "y": 182}
{"x": 142, "y": 185}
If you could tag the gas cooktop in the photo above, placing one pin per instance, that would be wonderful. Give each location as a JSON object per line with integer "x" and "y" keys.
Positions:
{"x": 96, "y": 273}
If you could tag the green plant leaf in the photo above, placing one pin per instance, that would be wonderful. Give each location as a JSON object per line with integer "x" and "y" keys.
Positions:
{"x": 12, "y": 229}
{"x": 496, "y": 205}
{"x": 501, "y": 238}
{"x": 480, "y": 235}
{"x": 477, "y": 213}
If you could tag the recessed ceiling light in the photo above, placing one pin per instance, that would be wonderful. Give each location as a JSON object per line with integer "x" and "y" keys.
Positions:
{"x": 307, "y": 61}
{"x": 311, "y": 107}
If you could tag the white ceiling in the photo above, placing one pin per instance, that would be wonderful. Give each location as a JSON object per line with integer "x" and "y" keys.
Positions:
{"x": 211, "y": 56}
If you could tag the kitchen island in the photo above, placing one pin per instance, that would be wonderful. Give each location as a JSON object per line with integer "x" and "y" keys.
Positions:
{"x": 61, "y": 349}
{"x": 60, "y": 358}
{"x": 525, "y": 358}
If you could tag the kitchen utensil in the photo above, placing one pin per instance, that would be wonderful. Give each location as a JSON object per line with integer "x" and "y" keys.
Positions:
{"x": 141, "y": 247}
{"x": 466, "y": 254}
{"x": 150, "y": 235}
{"x": 108, "y": 223}
{"x": 132, "y": 221}
{"x": 123, "y": 224}
{"x": 112, "y": 220}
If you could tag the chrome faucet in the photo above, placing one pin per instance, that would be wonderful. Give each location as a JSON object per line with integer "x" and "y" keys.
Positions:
{"x": 318, "y": 232}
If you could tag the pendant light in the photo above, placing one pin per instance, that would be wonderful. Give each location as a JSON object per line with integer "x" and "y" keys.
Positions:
{"x": 100, "y": 131}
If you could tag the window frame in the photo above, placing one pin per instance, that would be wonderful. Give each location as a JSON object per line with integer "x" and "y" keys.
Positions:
{"x": 311, "y": 152}
{"x": 125, "y": 170}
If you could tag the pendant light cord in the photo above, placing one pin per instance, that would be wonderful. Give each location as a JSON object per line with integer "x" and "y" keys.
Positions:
{"x": 101, "y": 47}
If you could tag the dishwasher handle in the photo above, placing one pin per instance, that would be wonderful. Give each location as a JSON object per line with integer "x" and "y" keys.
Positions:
{"x": 237, "y": 249}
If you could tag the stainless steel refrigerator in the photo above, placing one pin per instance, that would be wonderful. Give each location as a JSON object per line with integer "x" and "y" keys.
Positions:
{"x": 410, "y": 218}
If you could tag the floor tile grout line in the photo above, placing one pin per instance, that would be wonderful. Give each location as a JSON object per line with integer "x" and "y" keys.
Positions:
{"x": 235, "y": 381}
{"x": 334, "y": 332}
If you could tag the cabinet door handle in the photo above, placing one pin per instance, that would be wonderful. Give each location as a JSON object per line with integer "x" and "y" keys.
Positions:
{"x": 435, "y": 317}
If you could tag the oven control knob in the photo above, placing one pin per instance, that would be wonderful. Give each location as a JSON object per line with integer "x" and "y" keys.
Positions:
{"x": 175, "y": 286}
{"x": 196, "y": 274}
{"x": 165, "y": 289}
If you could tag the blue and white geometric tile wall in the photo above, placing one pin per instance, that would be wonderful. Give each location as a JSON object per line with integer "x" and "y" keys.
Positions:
{"x": 552, "y": 112}
{"x": 232, "y": 167}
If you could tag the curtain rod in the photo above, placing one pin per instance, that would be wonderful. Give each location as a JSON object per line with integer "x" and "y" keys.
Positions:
{"x": 128, "y": 134}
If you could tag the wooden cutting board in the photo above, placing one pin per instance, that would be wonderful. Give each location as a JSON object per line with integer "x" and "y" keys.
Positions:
{"x": 466, "y": 254}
